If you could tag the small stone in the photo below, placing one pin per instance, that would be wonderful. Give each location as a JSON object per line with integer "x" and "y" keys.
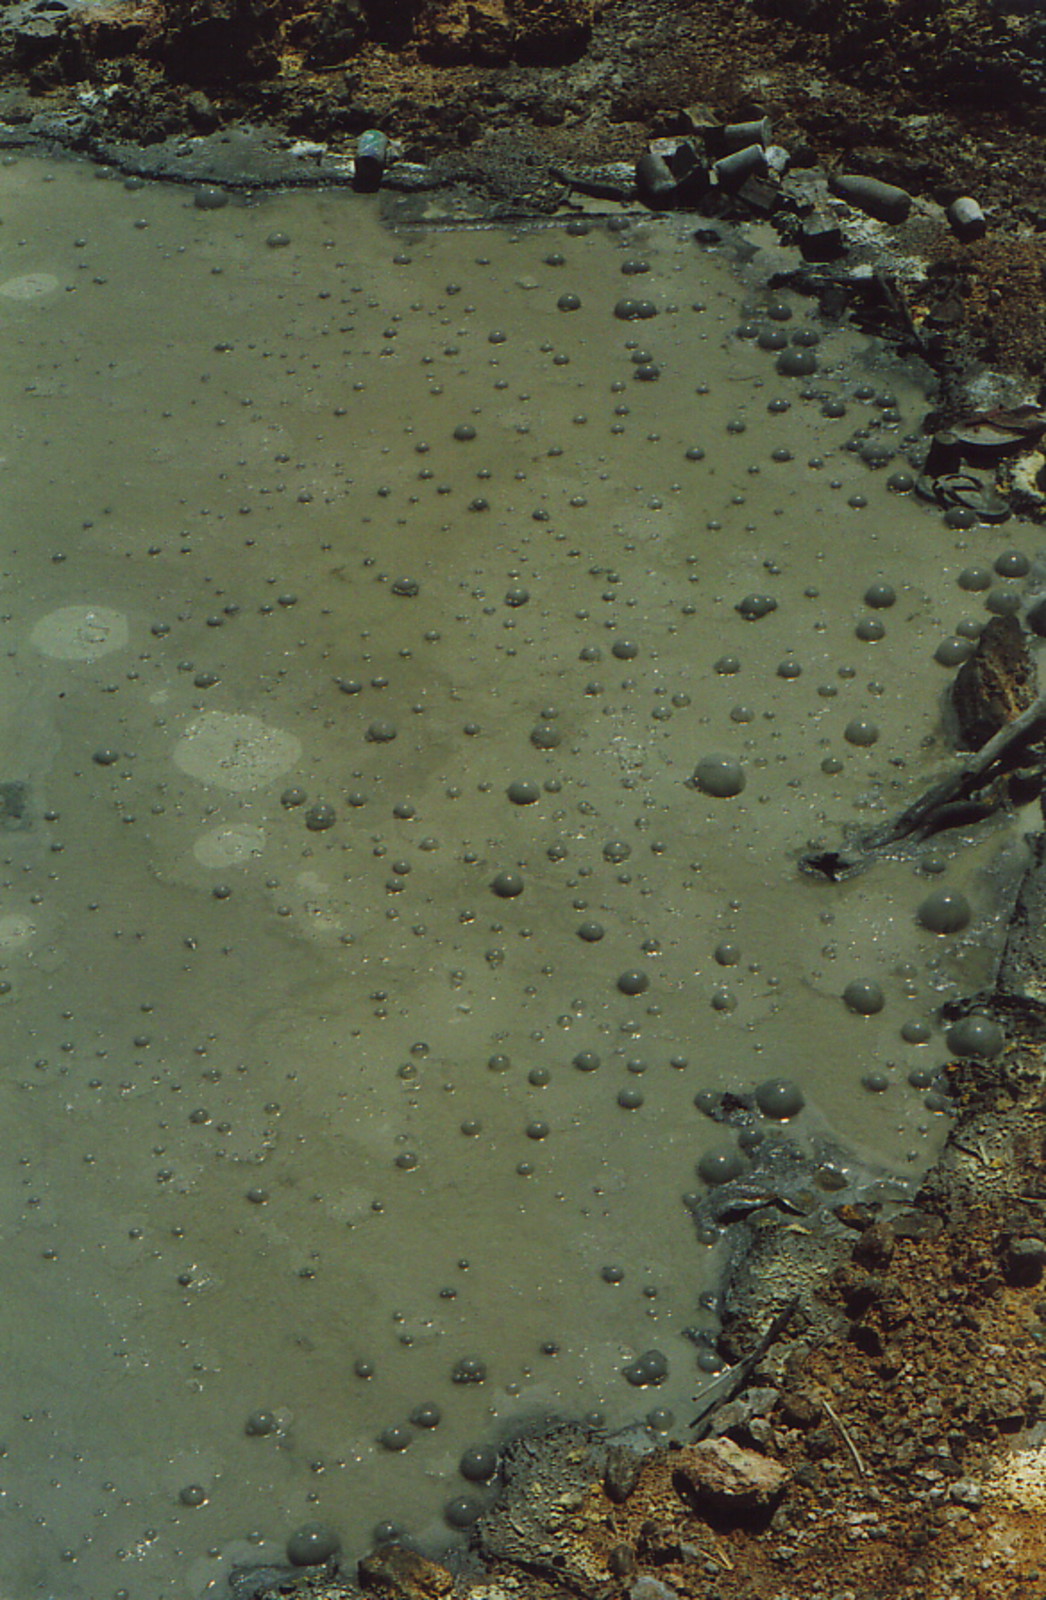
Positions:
{"x": 395, "y": 1571}
{"x": 967, "y": 1492}
{"x": 1025, "y": 1260}
{"x": 720, "y": 1473}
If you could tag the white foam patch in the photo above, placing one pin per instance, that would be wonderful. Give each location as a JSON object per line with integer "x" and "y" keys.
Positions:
{"x": 31, "y": 286}
{"x": 229, "y": 847}
{"x": 235, "y": 751}
{"x": 81, "y": 633}
{"x": 15, "y": 931}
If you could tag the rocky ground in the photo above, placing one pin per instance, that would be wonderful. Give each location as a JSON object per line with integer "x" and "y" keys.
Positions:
{"x": 888, "y": 1444}
{"x": 945, "y": 97}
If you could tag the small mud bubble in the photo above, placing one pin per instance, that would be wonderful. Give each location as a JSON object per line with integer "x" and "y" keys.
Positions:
{"x": 633, "y": 982}
{"x": 319, "y": 817}
{"x": 1012, "y": 564}
{"x": 953, "y": 651}
{"x": 796, "y": 363}
{"x": 870, "y": 630}
{"x": 469, "y": 1369}
{"x": 194, "y": 1494}
{"x": 727, "y": 954}
{"x": 721, "y": 1166}
{"x": 362, "y": 1368}
{"x": 380, "y": 732}
{"x": 537, "y": 1130}
{"x": 616, "y": 850}
{"x": 945, "y": 911}
{"x": 278, "y": 240}
{"x": 517, "y": 595}
{"x": 975, "y": 579}
{"x": 975, "y": 1036}
{"x": 727, "y": 666}
{"x": 499, "y": 1063}
{"x": 780, "y": 1099}
{"x": 260, "y": 1424}
{"x": 427, "y": 1415}
{"x": 545, "y": 737}
{"x": 647, "y": 372}
{"x": 960, "y": 517}
{"x": 921, "y": 1077}
{"x": 629, "y": 1099}
{"x": 507, "y": 885}
{"x": 695, "y": 453}
{"x": 879, "y": 596}
{"x": 624, "y": 649}
{"x": 478, "y": 1463}
{"x": 864, "y": 997}
{"x": 900, "y": 482}
{"x": 1003, "y": 603}
{"x": 395, "y": 1438}
{"x": 464, "y": 431}
{"x": 586, "y": 1061}
{"x": 647, "y": 1371}
{"x": 875, "y": 1082}
{"x": 612, "y": 1274}
{"x": 105, "y": 758}
{"x": 292, "y": 797}
{"x": 569, "y": 302}
{"x": 209, "y": 198}
{"x": 555, "y": 258}
{"x": 591, "y": 932}
{"x": 916, "y": 1031}
{"x": 522, "y": 792}
{"x": 859, "y": 731}
{"x": 312, "y": 1544}
{"x": 463, "y": 1511}
{"x": 626, "y": 310}
{"x": 406, "y": 588}
{"x": 754, "y": 606}
{"x": 722, "y": 777}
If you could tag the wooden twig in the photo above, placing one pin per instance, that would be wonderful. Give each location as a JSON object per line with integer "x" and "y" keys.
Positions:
{"x": 917, "y": 820}
{"x": 844, "y": 1435}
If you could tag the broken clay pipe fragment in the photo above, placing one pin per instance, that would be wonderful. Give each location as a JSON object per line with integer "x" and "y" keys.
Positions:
{"x": 883, "y": 201}
{"x": 726, "y": 137}
{"x": 820, "y": 239}
{"x": 966, "y": 219}
{"x": 655, "y": 180}
{"x": 733, "y": 170}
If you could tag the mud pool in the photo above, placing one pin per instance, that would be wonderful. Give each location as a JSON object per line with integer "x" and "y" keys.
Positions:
{"x": 369, "y": 601}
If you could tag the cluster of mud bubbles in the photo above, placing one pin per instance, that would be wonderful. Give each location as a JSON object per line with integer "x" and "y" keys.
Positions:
{"x": 427, "y": 653}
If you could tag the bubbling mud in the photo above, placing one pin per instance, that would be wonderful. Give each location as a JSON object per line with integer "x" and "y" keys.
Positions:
{"x": 422, "y": 678}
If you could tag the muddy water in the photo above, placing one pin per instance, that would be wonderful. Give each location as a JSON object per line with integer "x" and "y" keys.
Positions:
{"x": 318, "y": 538}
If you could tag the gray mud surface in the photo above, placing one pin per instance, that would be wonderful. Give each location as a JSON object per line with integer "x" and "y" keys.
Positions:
{"x": 388, "y": 623}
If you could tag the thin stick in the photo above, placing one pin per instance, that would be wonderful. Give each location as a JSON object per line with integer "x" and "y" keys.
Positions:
{"x": 914, "y": 819}
{"x": 858, "y": 1463}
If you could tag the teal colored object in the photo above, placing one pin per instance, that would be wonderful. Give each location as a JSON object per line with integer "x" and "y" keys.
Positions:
{"x": 372, "y": 152}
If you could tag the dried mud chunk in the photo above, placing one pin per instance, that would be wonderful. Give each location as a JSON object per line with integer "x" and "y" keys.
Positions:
{"x": 621, "y": 1473}
{"x": 798, "y": 1409}
{"x": 874, "y": 1249}
{"x": 719, "y": 1474}
{"x": 401, "y": 1574}
{"x": 996, "y": 684}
